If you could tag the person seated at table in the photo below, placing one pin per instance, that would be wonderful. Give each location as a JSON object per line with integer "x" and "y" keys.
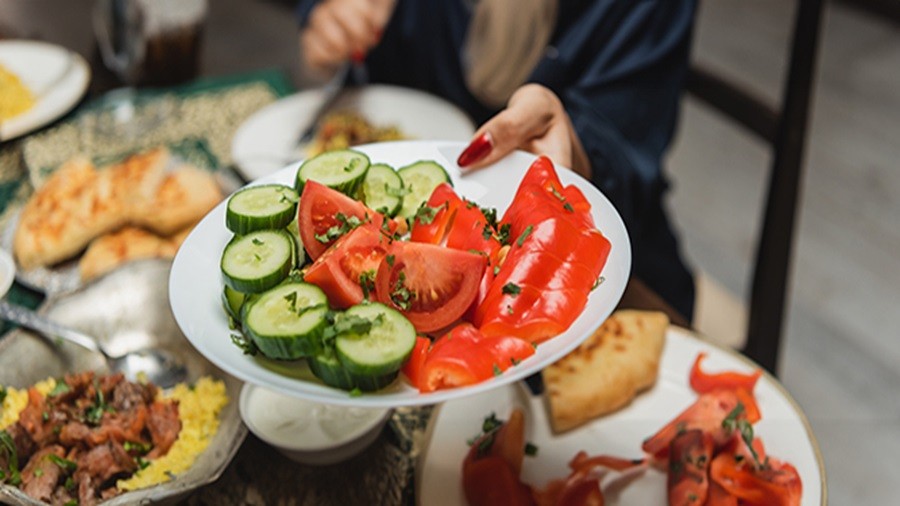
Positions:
{"x": 595, "y": 85}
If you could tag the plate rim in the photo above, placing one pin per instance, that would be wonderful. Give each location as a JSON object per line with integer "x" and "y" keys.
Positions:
{"x": 26, "y": 123}
{"x": 688, "y": 334}
{"x": 622, "y": 252}
{"x": 316, "y": 92}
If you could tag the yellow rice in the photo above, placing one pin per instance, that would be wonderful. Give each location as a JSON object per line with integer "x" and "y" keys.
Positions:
{"x": 15, "y": 97}
{"x": 198, "y": 408}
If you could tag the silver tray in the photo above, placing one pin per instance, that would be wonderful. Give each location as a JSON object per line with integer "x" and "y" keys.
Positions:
{"x": 127, "y": 310}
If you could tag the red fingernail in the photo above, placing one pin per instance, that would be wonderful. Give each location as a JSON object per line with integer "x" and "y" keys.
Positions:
{"x": 358, "y": 57}
{"x": 478, "y": 149}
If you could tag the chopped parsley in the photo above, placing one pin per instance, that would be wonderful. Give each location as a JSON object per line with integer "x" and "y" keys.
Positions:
{"x": 568, "y": 207}
{"x": 425, "y": 214}
{"x": 9, "y": 447}
{"x": 503, "y": 232}
{"x": 245, "y": 344}
{"x": 345, "y": 224}
{"x": 395, "y": 192}
{"x": 525, "y": 234}
{"x": 597, "y": 282}
{"x": 514, "y": 361}
{"x": 400, "y": 295}
{"x": 490, "y": 214}
{"x": 390, "y": 260}
{"x": 512, "y": 289}
{"x": 356, "y": 392}
{"x": 67, "y": 464}
{"x": 138, "y": 447}
{"x": 367, "y": 283}
{"x": 497, "y": 370}
{"x": 257, "y": 242}
{"x": 60, "y": 388}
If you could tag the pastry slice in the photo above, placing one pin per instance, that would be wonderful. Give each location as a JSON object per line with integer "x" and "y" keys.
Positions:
{"x": 608, "y": 370}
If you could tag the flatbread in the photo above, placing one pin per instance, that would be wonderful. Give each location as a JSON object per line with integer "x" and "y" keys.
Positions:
{"x": 608, "y": 370}
{"x": 127, "y": 244}
{"x": 80, "y": 203}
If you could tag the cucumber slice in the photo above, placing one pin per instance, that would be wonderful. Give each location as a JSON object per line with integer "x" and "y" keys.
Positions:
{"x": 382, "y": 189}
{"x": 293, "y": 228}
{"x": 383, "y": 348}
{"x": 287, "y": 322}
{"x": 266, "y": 207}
{"x": 328, "y": 368}
{"x": 255, "y": 262}
{"x": 342, "y": 170}
{"x": 419, "y": 180}
{"x": 232, "y": 300}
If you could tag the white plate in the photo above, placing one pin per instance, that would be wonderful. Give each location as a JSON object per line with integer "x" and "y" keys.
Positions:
{"x": 783, "y": 428}
{"x": 267, "y": 140}
{"x": 196, "y": 282}
{"x": 56, "y": 76}
{"x": 7, "y": 272}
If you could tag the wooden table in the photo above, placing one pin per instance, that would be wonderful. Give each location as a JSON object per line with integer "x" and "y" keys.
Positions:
{"x": 240, "y": 36}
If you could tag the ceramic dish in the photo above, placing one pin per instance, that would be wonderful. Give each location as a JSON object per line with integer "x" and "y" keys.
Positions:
{"x": 126, "y": 310}
{"x": 7, "y": 271}
{"x": 783, "y": 428}
{"x": 268, "y": 139}
{"x": 310, "y": 432}
{"x": 196, "y": 283}
{"x": 56, "y": 76}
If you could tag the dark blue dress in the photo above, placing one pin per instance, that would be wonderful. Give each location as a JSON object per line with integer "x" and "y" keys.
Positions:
{"x": 618, "y": 67}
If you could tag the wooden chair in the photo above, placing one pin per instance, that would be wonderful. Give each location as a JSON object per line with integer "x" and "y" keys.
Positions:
{"x": 784, "y": 129}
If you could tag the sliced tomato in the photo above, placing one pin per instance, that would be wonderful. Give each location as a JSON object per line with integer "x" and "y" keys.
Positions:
{"x": 431, "y": 285}
{"x": 432, "y": 229}
{"x": 416, "y": 361}
{"x": 325, "y": 215}
{"x": 346, "y": 270}
{"x": 703, "y": 382}
{"x": 689, "y": 457}
{"x": 457, "y": 223}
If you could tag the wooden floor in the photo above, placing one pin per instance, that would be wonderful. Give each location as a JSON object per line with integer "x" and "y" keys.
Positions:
{"x": 842, "y": 353}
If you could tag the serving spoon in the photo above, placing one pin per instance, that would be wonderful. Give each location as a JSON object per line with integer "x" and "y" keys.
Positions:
{"x": 156, "y": 366}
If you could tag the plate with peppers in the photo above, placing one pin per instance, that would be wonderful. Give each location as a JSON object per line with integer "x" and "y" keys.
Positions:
{"x": 500, "y": 272}
{"x": 714, "y": 430}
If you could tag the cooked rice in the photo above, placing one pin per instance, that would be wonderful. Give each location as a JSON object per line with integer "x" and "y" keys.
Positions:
{"x": 16, "y": 400}
{"x": 15, "y": 97}
{"x": 198, "y": 408}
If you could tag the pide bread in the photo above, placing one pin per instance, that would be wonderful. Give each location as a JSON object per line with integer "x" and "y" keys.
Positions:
{"x": 80, "y": 203}
{"x": 606, "y": 371}
{"x": 109, "y": 251}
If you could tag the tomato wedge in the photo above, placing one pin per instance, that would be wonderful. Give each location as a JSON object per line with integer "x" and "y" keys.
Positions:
{"x": 431, "y": 285}
{"x": 324, "y": 215}
{"x": 346, "y": 271}
{"x": 493, "y": 464}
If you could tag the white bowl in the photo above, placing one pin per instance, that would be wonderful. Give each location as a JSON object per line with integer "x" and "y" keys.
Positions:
{"x": 7, "y": 272}
{"x": 310, "y": 432}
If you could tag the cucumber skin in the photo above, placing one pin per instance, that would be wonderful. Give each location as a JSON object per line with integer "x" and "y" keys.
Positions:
{"x": 241, "y": 225}
{"x": 389, "y": 367}
{"x": 350, "y": 188}
{"x": 233, "y": 312}
{"x": 289, "y": 348}
{"x": 328, "y": 369}
{"x": 249, "y": 286}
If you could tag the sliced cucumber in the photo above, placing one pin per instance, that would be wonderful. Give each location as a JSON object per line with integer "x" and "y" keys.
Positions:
{"x": 382, "y": 189}
{"x": 266, "y": 207}
{"x": 342, "y": 170}
{"x": 287, "y": 322}
{"x": 419, "y": 180}
{"x": 255, "y": 262}
{"x": 328, "y": 368}
{"x": 232, "y": 300}
{"x": 294, "y": 229}
{"x": 383, "y": 348}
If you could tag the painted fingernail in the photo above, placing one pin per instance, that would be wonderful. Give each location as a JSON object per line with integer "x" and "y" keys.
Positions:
{"x": 478, "y": 149}
{"x": 358, "y": 57}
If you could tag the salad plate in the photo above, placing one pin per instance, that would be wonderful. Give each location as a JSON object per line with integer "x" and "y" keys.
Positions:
{"x": 783, "y": 427}
{"x": 196, "y": 282}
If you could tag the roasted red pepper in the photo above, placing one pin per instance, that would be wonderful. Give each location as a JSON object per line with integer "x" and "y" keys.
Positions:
{"x": 703, "y": 382}
{"x": 555, "y": 258}
{"x": 771, "y": 483}
{"x": 690, "y": 454}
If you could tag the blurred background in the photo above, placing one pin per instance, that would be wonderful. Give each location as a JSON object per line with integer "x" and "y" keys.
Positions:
{"x": 840, "y": 348}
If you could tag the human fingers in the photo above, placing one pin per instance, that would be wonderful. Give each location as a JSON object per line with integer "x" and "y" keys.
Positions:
{"x": 325, "y": 42}
{"x": 528, "y": 116}
{"x": 360, "y": 20}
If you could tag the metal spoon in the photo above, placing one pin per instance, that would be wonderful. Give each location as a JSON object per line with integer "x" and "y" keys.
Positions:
{"x": 156, "y": 366}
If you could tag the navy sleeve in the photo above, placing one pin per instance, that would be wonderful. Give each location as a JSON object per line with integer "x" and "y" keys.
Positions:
{"x": 304, "y": 8}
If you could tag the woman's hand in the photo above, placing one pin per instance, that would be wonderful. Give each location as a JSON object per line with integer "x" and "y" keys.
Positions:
{"x": 341, "y": 30}
{"x": 534, "y": 120}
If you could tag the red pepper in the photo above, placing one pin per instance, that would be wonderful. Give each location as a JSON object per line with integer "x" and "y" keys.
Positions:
{"x": 556, "y": 255}
{"x": 689, "y": 457}
{"x": 416, "y": 362}
{"x": 775, "y": 483}
{"x": 703, "y": 382}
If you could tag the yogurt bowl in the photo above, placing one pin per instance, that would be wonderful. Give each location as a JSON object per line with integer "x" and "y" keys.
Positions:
{"x": 310, "y": 432}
